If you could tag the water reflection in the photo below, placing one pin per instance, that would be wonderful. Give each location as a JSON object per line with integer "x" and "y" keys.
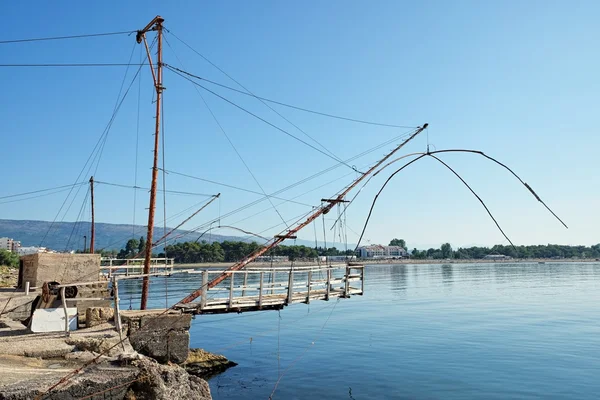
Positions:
{"x": 398, "y": 278}
{"x": 447, "y": 276}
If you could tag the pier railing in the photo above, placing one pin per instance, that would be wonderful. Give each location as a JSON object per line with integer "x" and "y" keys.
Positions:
{"x": 134, "y": 266}
{"x": 263, "y": 288}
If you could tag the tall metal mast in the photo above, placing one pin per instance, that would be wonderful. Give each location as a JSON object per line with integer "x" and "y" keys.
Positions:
{"x": 291, "y": 234}
{"x": 154, "y": 25}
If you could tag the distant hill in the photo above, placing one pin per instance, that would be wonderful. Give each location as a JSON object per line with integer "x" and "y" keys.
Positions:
{"x": 108, "y": 236}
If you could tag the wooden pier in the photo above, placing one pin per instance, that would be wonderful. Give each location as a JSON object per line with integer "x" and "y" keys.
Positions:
{"x": 257, "y": 288}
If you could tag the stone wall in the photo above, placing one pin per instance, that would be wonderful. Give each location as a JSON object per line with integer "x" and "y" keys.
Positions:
{"x": 55, "y": 267}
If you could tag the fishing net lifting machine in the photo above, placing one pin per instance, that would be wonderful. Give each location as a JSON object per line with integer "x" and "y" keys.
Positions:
{"x": 156, "y": 25}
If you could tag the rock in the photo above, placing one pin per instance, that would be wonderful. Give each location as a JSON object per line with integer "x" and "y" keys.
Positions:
{"x": 110, "y": 346}
{"x": 204, "y": 364}
{"x": 98, "y": 315}
{"x": 166, "y": 382}
{"x": 87, "y": 356}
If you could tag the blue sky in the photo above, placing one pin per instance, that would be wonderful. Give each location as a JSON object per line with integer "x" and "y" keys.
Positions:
{"x": 517, "y": 80}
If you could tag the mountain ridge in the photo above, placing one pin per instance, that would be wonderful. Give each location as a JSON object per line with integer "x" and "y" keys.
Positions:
{"x": 66, "y": 236}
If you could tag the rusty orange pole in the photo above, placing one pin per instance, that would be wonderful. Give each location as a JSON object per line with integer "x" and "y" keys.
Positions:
{"x": 93, "y": 236}
{"x": 156, "y": 25}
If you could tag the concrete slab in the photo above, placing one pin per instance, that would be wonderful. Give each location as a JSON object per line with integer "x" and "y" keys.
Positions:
{"x": 53, "y": 320}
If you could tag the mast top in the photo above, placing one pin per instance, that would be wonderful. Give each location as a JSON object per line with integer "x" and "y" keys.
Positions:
{"x": 152, "y": 26}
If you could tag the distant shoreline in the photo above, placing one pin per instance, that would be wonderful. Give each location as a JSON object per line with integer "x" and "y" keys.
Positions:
{"x": 405, "y": 262}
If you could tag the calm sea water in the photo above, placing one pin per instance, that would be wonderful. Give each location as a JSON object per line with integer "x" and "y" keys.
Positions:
{"x": 472, "y": 331}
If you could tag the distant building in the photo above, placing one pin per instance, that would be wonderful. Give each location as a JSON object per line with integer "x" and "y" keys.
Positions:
{"x": 10, "y": 244}
{"x": 274, "y": 259}
{"x": 379, "y": 251}
{"x": 23, "y": 251}
{"x": 497, "y": 257}
{"x": 337, "y": 258}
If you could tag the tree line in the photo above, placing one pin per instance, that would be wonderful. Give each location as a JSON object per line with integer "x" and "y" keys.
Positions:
{"x": 231, "y": 251}
{"x": 535, "y": 251}
{"x": 227, "y": 251}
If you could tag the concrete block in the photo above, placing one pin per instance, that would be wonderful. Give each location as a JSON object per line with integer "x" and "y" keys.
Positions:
{"x": 163, "y": 346}
{"x": 98, "y": 315}
{"x": 167, "y": 322}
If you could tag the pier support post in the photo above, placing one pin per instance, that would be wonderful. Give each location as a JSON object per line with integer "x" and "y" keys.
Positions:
{"x": 260, "y": 292}
{"x": 231, "y": 291}
{"x": 64, "y": 304}
{"x": 362, "y": 280}
{"x": 328, "y": 288}
{"x": 290, "y": 287}
{"x": 308, "y": 283}
{"x": 204, "y": 289}
{"x": 347, "y": 282}
{"x": 118, "y": 323}
{"x": 245, "y": 284}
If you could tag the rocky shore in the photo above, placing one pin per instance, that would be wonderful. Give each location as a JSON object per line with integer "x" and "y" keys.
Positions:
{"x": 31, "y": 363}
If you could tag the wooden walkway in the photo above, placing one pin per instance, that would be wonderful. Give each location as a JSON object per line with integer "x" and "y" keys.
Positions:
{"x": 274, "y": 288}
{"x": 260, "y": 288}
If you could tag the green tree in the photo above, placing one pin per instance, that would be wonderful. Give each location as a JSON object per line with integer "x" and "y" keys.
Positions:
{"x": 446, "y": 250}
{"x": 398, "y": 242}
{"x": 9, "y": 259}
{"x": 142, "y": 245}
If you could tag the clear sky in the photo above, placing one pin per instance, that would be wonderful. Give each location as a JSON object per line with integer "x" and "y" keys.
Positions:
{"x": 517, "y": 80}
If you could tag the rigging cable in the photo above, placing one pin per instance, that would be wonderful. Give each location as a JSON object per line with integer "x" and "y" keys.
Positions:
{"x": 98, "y": 155}
{"x": 164, "y": 187}
{"x": 40, "y": 195}
{"x": 249, "y": 93}
{"x": 257, "y": 117}
{"x": 66, "y": 37}
{"x": 234, "y": 187}
{"x": 229, "y": 140}
{"x": 301, "y": 355}
{"x": 144, "y": 188}
{"x": 280, "y": 103}
{"x": 70, "y": 65}
{"x": 78, "y": 219}
{"x": 137, "y": 146}
{"x": 105, "y": 132}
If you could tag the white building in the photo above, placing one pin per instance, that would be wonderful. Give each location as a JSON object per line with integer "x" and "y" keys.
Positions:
{"x": 23, "y": 251}
{"x": 379, "y": 251}
{"x": 337, "y": 258}
{"x": 10, "y": 244}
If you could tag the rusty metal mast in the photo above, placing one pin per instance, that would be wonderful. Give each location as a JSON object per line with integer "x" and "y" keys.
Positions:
{"x": 93, "y": 235}
{"x": 291, "y": 234}
{"x": 154, "y": 25}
